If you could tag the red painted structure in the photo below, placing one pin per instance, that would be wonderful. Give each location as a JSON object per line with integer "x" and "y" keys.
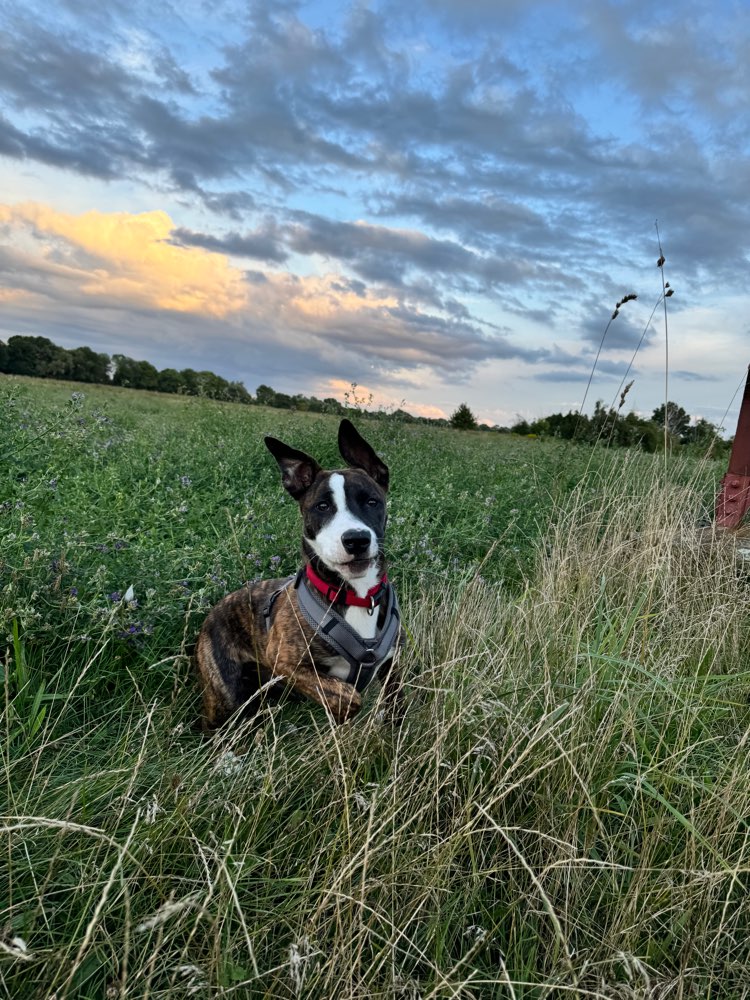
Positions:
{"x": 733, "y": 500}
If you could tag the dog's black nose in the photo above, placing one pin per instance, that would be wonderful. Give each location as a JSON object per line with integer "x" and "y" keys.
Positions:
{"x": 356, "y": 542}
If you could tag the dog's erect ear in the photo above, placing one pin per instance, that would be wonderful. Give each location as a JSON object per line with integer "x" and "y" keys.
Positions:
{"x": 298, "y": 470}
{"x": 357, "y": 452}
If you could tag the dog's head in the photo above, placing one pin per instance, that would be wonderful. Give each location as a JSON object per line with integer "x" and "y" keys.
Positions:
{"x": 343, "y": 511}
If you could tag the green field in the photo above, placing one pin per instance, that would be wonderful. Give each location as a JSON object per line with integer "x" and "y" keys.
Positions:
{"x": 563, "y": 813}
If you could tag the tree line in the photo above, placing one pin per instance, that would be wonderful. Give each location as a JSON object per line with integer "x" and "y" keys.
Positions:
{"x": 609, "y": 426}
{"x": 40, "y": 357}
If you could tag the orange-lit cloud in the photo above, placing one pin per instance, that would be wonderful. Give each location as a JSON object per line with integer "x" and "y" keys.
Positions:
{"x": 8, "y": 295}
{"x": 373, "y": 399}
{"x": 127, "y": 259}
{"x": 321, "y": 297}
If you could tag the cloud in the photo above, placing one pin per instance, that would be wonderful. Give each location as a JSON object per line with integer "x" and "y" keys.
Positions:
{"x": 375, "y": 398}
{"x": 119, "y": 258}
{"x": 384, "y": 254}
{"x": 262, "y": 244}
{"x": 129, "y": 263}
{"x": 686, "y": 376}
{"x": 485, "y": 144}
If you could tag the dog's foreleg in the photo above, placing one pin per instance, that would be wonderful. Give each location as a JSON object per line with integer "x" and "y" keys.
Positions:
{"x": 341, "y": 699}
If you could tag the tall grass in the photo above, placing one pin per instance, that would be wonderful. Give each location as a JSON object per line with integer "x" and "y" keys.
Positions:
{"x": 563, "y": 812}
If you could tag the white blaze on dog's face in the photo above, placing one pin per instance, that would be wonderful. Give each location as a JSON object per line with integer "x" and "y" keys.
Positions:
{"x": 344, "y": 521}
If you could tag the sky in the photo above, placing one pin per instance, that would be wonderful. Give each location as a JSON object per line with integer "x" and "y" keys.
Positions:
{"x": 440, "y": 201}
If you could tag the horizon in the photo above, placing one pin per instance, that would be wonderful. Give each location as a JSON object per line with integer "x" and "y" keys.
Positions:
{"x": 349, "y": 400}
{"x": 441, "y": 204}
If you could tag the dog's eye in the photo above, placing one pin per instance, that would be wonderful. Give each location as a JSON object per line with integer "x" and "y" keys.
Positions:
{"x": 323, "y": 505}
{"x": 373, "y": 502}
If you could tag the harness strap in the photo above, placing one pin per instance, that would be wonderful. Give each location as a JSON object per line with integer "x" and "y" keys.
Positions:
{"x": 364, "y": 656}
{"x": 268, "y": 609}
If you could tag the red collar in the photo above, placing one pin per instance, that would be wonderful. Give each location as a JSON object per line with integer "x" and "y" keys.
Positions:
{"x": 344, "y": 594}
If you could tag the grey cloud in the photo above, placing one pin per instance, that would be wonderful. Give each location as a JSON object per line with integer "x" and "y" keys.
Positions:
{"x": 263, "y": 243}
{"x": 687, "y": 376}
{"x": 476, "y": 218}
{"x": 624, "y": 332}
{"x": 378, "y": 253}
{"x": 603, "y": 372}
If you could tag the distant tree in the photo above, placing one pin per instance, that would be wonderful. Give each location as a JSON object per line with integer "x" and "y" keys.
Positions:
{"x": 463, "y": 419}
{"x": 678, "y": 420}
{"x": 403, "y": 416}
{"x": 169, "y": 380}
{"x": 284, "y": 401}
{"x": 3, "y": 356}
{"x": 135, "y": 374}
{"x": 521, "y": 427}
{"x": 36, "y": 356}
{"x": 331, "y": 405}
{"x": 88, "y": 366}
{"x": 702, "y": 432}
{"x": 212, "y": 386}
{"x": 237, "y": 393}
{"x": 562, "y": 425}
{"x": 189, "y": 384}
{"x": 541, "y": 427}
{"x": 265, "y": 395}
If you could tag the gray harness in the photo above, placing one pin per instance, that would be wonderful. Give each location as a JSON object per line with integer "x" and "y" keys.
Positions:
{"x": 364, "y": 656}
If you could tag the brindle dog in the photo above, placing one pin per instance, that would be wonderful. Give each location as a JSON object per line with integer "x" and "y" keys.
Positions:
{"x": 257, "y": 642}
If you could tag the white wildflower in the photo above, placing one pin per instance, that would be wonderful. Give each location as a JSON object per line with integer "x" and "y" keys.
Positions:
{"x": 152, "y": 811}
{"x": 164, "y": 913}
{"x": 17, "y": 948}
{"x": 475, "y": 931}
{"x": 361, "y": 802}
{"x": 300, "y": 953}
{"x": 195, "y": 978}
{"x": 230, "y": 764}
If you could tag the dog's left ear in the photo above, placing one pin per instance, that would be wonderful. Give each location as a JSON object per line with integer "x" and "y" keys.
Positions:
{"x": 357, "y": 452}
{"x": 298, "y": 470}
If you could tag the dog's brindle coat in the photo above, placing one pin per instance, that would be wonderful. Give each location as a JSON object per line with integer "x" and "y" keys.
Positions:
{"x": 239, "y": 656}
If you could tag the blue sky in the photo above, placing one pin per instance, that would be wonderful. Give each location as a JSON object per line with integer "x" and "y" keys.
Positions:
{"x": 440, "y": 201}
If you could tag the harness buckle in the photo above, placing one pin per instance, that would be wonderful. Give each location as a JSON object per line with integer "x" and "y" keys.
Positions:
{"x": 371, "y": 609}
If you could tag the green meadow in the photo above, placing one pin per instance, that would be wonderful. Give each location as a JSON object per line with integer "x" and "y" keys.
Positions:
{"x": 564, "y": 811}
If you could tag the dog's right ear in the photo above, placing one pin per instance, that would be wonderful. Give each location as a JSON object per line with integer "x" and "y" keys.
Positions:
{"x": 298, "y": 470}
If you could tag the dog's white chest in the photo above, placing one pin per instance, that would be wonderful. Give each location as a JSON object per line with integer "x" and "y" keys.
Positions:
{"x": 362, "y": 621}
{"x": 336, "y": 666}
{"x": 367, "y": 626}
